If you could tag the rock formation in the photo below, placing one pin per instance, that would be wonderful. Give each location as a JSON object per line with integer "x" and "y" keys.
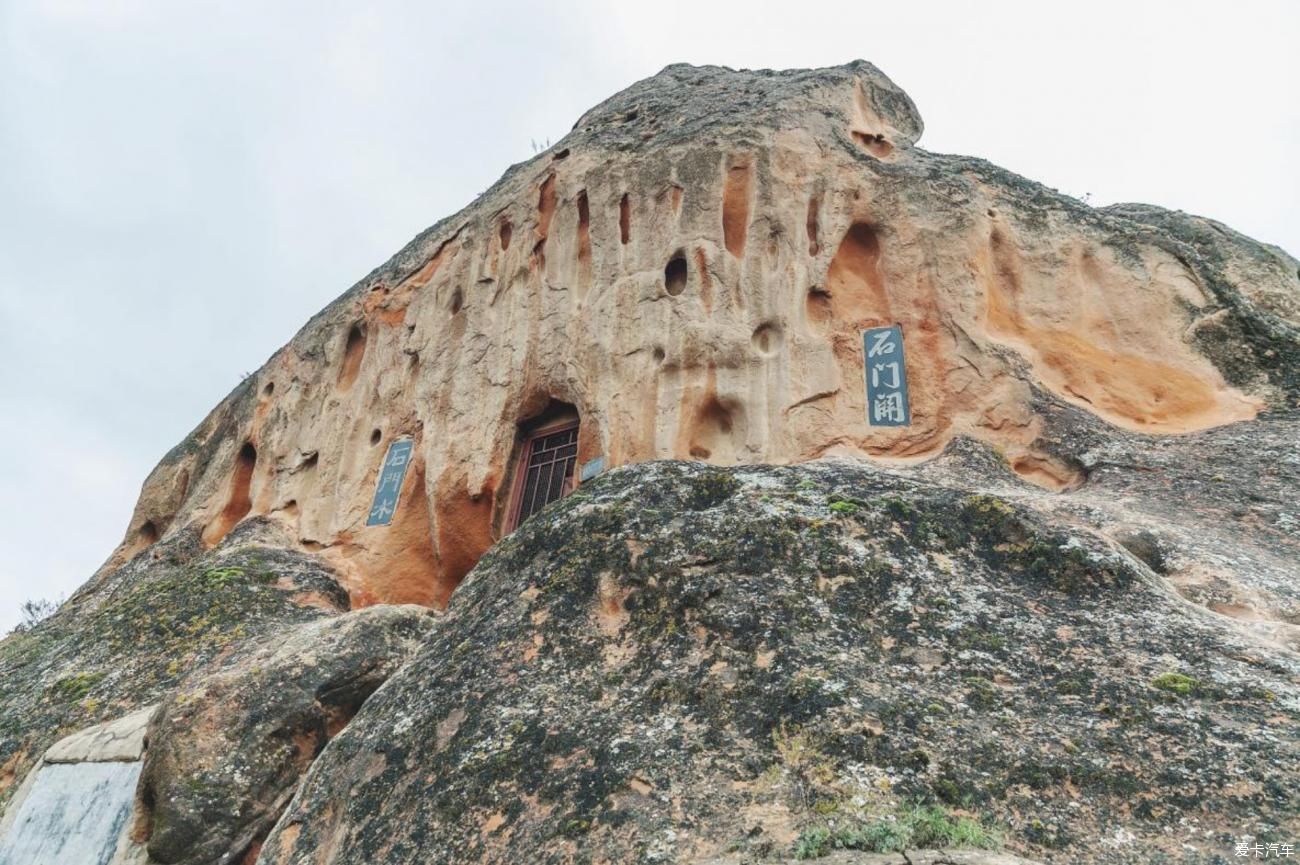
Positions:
{"x": 1055, "y": 617}
{"x": 690, "y": 270}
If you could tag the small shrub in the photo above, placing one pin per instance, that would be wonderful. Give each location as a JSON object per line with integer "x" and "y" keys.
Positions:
{"x": 918, "y": 827}
{"x": 223, "y": 576}
{"x": 32, "y": 613}
{"x": 1176, "y": 683}
{"x": 813, "y": 843}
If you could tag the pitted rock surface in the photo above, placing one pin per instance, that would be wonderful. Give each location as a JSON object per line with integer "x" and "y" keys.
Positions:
{"x": 226, "y": 749}
{"x": 679, "y": 661}
{"x": 1055, "y": 620}
{"x": 689, "y": 271}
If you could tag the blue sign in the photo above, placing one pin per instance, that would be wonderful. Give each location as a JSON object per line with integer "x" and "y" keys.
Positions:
{"x": 390, "y": 482}
{"x": 590, "y": 469}
{"x": 882, "y": 348}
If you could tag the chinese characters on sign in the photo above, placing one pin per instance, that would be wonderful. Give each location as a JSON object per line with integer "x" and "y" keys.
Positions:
{"x": 886, "y": 377}
{"x": 391, "y": 476}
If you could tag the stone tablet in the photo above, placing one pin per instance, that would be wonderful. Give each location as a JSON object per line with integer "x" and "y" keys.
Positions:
{"x": 886, "y": 375}
{"x": 389, "y": 487}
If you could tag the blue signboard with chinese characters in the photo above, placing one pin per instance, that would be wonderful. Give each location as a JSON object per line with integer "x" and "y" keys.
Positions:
{"x": 886, "y": 377}
{"x": 389, "y": 488}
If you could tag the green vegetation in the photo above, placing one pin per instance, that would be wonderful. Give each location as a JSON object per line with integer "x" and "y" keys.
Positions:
{"x": 981, "y": 692}
{"x": 709, "y": 489}
{"x": 223, "y": 576}
{"x": 1176, "y": 683}
{"x": 918, "y": 827}
{"x": 73, "y": 688}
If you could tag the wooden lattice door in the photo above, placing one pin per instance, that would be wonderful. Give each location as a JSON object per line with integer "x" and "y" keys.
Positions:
{"x": 546, "y": 466}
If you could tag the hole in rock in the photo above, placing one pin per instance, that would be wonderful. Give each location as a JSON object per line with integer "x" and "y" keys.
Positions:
{"x": 239, "y": 501}
{"x": 269, "y": 389}
{"x": 561, "y": 154}
{"x": 1146, "y": 547}
{"x": 675, "y": 274}
{"x": 658, "y": 355}
{"x": 457, "y": 301}
{"x": 353, "y": 353}
{"x": 375, "y": 436}
{"x": 715, "y": 430}
{"x": 767, "y": 338}
{"x": 814, "y": 208}
{"x": 505, "y": 232}
{"x": 854, "y": 282}
{"x": 735, "y": 209}
{"x": 546, "y": 201}
{"x": 584, "y": 229}
{"x": 149, "y": 532}
{"x": 876, "y": 145}
{"x": 624, "y": 220}
{"x": 1047, "y": 473}
{"x": 819, "y": 305}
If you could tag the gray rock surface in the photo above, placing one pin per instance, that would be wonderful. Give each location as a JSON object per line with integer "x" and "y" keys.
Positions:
{"x": 128, "y": 638}
{"x": 226, "y": 749}
{"x": 1056, "y": 618}
{"x": 678, "y": 661}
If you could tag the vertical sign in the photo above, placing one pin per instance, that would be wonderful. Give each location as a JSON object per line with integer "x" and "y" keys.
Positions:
{"x": 590, "y": 469}
{"x": 886, "y": 377}
{"x": 391, "y": 475}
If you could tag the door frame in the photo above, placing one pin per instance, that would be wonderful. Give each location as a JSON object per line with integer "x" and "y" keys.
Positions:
{"x": 525, "y": 450}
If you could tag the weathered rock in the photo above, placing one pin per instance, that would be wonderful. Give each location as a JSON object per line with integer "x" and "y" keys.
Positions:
{"x": 690, "y": 269}
{"x": 226, "y": 749}
{"x": 124, "y": 641}
{"x": 119, "y": 740}
{"x": 679, "y": 661}
{"x": 75, "y": 805}
{"x": 1058, "y": 614}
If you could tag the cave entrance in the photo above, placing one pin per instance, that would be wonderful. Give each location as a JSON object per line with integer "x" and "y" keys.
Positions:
{"x": 547, "y": 461}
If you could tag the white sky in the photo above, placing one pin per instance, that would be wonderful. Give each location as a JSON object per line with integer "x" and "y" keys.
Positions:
{"x": 183, "y": 184}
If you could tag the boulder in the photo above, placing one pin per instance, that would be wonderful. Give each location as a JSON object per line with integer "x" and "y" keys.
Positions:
{"x": 226, "y": 749}
{"x": 681, "y": 663}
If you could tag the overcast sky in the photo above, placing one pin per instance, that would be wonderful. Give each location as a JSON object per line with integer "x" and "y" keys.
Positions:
{"x": 183, "y": 184}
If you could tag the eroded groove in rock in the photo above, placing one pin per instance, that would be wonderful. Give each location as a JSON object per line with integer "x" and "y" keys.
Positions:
{"x": 735, "y": 207}
{"x": 1035, "y": 559}
{"x": 754, "y": 264}
{"x": 239, "y": 502}
{"x": 811, "y": 225}
{"x": 354, "y": 351}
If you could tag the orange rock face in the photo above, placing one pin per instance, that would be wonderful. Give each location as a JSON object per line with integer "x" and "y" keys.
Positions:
{"x": 691, "y": 270}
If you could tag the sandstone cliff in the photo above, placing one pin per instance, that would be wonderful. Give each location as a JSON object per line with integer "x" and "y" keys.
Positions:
{"x": 1055, "y": 617}
{"x": 690, "y": 270}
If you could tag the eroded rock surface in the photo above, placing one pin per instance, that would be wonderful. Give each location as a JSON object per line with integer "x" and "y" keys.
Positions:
{"x": 226, "y": 750}
{"x": 690, "y": 270}
{"x": 127, "y": 639}
{"x": 1056, "y": 618}
{"x": 679, "y": 663}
